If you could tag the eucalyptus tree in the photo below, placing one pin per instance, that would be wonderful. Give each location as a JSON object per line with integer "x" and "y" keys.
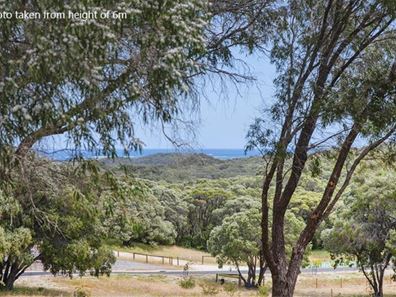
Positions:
{"x": 137, "y": 215}
{"x": 237, "y": 241}
{"x": 92, "y": 79}
{"x": 50, "y": 214}
{"x": 366, "y": 229}
{"x": 88, "y": 79}
{"x": 335, "y": 87}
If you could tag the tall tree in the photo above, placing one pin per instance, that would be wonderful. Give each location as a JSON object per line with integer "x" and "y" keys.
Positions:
{"x": 90, "y": 80}
{"x": 336, "y": 85}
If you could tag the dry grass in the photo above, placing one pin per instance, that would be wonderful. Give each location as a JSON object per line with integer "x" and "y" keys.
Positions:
{"x": 195, "y": 256}
{"x": 174, "y": 251}
{"x": 138, "y": 286}
{"x": 35, "y": 292}
{"x": 353, "y": 284}
{"x": 319, "y": 256}
{"x": 342, "y": 284}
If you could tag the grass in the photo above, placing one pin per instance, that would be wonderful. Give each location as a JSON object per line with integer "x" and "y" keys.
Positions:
{"x": 353, "y": 285}
{"x": 122, "y": 285}
{"x": 174, "y": 251}
{"x": 319, "y": 256}
{"x": 339, "y": 284}
{"x": 195, "y": 256}
{"x": 31, "y": 291}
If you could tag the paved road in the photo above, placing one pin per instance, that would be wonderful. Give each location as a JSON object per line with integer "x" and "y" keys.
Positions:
{"x": 125, "y": 265}
{"x": 138, "y": 268}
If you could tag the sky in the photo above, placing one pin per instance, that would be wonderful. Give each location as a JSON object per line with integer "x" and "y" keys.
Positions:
{"x": 224, "y": 118}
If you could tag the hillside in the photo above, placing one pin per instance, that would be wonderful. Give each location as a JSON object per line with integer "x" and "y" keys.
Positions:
{"x": 177, "y": 167}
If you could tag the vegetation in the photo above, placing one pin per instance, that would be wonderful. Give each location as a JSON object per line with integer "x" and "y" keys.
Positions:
{"x": 187, "y": 283}
{"x": 86, "y": 81}
{"x": 366, "y": 228}
{"x": 68, "y": 77}
{"x": 335, "y": 85}
{"x": 40, "y": 291}
{"x": 237, "y": 241}
{"x": 92, "y": 82}
{"x": 49, "y": 213}
{"x": 175, "y": 168}
{"x": 354, "y": 285}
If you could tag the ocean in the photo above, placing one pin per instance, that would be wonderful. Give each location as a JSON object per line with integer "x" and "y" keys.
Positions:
{"x": 223, "y": 154}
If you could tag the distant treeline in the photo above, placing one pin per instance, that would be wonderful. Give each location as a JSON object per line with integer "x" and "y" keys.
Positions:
{"x": 184, "y": 197}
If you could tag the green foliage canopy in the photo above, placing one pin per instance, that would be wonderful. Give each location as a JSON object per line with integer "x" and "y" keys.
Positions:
{"x": 49, "y": 213}
{"x": 366, "y": 229}
{"x": 89, "y": 79}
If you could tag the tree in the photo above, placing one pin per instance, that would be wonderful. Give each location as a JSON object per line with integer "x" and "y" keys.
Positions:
{"x": 50, "y": 213}
{"x": 235, "y": 205}
{"x": 175, "y": 209}
{"x": 237, "y": 240}
{"x": 203, "y": 201}
{"x": 137, "y": 215}
{"x": 88, "y": 80}
{"x": 366, "y": 229}
{"x": 92, "y": 81}
{"x": 336, "y": 81}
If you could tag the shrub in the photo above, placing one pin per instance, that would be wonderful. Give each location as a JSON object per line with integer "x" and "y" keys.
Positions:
{"x": 187, "y": 283}
{"x": 79, "y": 292}
{"x": 209, "y": 288}
{"x": 264, "y": 291}
{"x": 230, "y": 288}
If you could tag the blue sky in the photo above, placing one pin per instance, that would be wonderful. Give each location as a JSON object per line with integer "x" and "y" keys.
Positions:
{"x": 225, "y": 118}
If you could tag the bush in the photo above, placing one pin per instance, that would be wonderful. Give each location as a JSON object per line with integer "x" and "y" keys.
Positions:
{"x": 230, "y": 288}
{"x": 209, "y": 288}
{"x": 187, "y": 283}
{"x": 264, "y": 291}
{"x": 79, "y": 292}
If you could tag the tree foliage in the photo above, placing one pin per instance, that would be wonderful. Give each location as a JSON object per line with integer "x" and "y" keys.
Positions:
{"x": 49, "y": 213}
{"x": 321, "y": 50}
{"x": 90, "y": 79}
{"x": 139, "y": 216}
{"x": 366, "y": 228}
{"x": 237, "y": 241}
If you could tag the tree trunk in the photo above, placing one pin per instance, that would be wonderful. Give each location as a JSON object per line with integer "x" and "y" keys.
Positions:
{"x": 375, "y": 280}
{"x": 282, "y": 286}
{"x": 251, "y": 279}
{"x": 9, "y": 277}
{"x": 9, "y": 283}
{"x": 380, "y": 281}
{"x": 263, "y": 268}
{"x": 284, "y": 277}
{"x": 379, "y": 293}
{"x": 11, "y": 271}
